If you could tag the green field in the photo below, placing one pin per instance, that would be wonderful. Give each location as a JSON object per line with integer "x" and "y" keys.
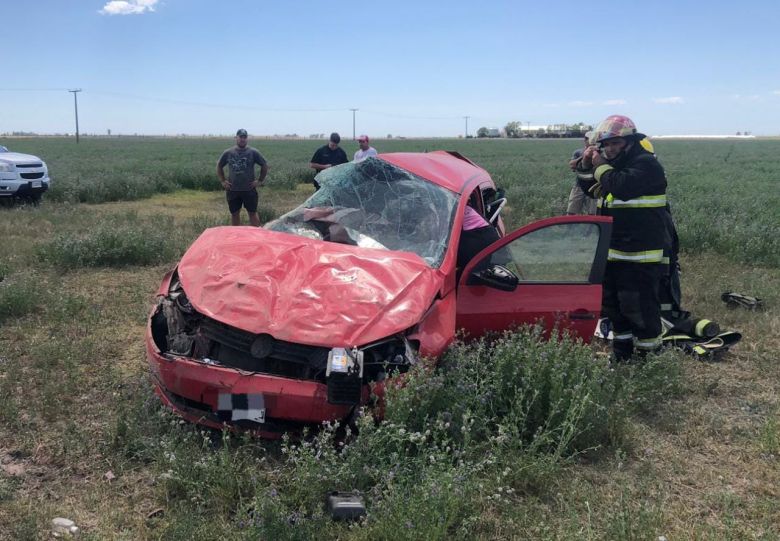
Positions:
{"x": 524, "y": 440}
{"x": 724, "y": 194}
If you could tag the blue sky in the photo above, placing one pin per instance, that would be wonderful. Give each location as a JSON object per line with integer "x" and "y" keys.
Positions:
{"x": 411, "y": 68}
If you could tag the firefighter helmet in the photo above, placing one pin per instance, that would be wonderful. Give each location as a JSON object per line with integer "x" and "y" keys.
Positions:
{"x": 614, "y": 126}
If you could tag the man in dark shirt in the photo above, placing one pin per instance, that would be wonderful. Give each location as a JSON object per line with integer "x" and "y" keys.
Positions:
{"x": 327, "y": 156}
{"x": 241, "y": 186}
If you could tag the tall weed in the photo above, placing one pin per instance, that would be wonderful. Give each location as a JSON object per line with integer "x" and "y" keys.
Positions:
{"x": 494, "y": 420}
{"x": 19, "y": 296}
{"x": 116, "y": 243}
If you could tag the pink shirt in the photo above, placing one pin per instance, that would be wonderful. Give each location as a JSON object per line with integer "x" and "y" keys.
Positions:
{"x": 473, "y": 220}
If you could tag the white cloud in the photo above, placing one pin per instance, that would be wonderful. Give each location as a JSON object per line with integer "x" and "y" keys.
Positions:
{"x": 776, "y": 92}
{"x": 672, "y": 100}
{"x": 579, "y": 103}
{"x": 744, "y": 97}
{"x": 614, "y": 102}
{"x": 128, "y": 7}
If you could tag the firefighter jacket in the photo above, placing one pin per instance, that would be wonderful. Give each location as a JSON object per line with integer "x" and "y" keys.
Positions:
{"x": 634, "y": 194}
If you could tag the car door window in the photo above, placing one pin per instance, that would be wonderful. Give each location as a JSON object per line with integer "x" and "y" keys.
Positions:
{"x": 561, "y": 253}
{"x": 559, "y": 263}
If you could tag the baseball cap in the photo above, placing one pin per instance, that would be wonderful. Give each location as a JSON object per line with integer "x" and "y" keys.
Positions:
{"x": 241, "y": 133}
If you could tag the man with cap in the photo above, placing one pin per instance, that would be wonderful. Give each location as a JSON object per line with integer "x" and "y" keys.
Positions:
{"x": 328, "y": 155}
{"x": 364, "y": 151}
{"x": 579, "y": 200}
{"x": 630, "y": 185}
{"x": 241, "y": 185}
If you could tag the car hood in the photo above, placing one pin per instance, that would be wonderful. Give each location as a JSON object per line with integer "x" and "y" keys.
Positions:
{"x": 305, "y": 291}
{"x": 16, "y": 157}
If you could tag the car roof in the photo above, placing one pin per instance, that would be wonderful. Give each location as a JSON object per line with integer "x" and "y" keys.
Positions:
{"x": 447, "y": 169}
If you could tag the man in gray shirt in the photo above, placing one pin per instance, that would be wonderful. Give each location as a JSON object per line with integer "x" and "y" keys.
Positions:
{"x": 241, "y": 186}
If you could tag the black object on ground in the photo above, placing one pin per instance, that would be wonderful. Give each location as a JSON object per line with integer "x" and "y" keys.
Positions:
{"x": 735, "y": 300}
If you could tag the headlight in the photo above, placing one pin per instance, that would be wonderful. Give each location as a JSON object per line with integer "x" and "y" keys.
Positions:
{"x": 6, "y": 167}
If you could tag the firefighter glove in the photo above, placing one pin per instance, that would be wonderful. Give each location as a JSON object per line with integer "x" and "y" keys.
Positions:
{"x": 596, "y": 190}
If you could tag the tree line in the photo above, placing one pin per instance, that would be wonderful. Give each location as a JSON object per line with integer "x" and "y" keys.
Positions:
{"x": 515, "y": 130}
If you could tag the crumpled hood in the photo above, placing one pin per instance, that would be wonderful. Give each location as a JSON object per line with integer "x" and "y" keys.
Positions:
{"x": 16, "y": 157}
{"x": 303, "y": 290}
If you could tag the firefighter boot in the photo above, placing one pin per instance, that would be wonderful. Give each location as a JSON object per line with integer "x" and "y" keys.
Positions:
{"x": 622, "y": 346}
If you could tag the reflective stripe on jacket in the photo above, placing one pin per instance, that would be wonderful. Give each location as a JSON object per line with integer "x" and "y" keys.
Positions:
{"x": 635, "y": 188}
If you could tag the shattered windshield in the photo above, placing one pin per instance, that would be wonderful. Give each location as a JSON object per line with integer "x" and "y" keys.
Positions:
{"x": 374, "y": 204}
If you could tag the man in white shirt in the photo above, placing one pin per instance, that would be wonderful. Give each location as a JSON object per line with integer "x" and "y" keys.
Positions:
{"x": 365, "y": 151}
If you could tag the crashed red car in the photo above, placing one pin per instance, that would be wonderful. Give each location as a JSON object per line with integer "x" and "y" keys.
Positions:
{"x": 298, "y": 322}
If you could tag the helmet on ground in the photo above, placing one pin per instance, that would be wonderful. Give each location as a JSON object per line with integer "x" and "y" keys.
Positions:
{"x": 614, "y": 126}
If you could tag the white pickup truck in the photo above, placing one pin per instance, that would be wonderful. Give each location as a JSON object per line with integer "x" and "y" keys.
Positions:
{"x": 22, "y": 175}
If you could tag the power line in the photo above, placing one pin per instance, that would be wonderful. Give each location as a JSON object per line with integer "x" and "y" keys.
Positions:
{"x": 410, "y": 117}
{"x": 214, "y": 105}
{"x": 238, "y": 107}
{"x": 32, "y": 89}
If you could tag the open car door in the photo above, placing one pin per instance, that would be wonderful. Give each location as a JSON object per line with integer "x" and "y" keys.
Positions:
{"x": 548, "y": 272}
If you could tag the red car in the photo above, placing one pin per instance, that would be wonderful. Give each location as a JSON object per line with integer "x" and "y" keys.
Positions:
{"x": 297, "y": 323}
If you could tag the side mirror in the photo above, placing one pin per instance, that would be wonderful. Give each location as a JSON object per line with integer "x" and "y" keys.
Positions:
{"x": 497, "y": 277}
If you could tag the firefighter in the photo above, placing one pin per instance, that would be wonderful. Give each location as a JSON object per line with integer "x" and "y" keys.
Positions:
{"x": 630, "y": 185}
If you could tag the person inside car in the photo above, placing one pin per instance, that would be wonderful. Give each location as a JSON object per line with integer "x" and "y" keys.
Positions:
{"x": 476, "y": 235}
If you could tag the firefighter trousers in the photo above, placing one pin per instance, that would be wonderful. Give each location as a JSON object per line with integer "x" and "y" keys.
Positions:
{"x": 631, "y": 302}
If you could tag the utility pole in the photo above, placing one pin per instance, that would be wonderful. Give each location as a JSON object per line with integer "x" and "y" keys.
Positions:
{"x": 353, "y": 122}
{"x": 76, "y": 107}
{"x": 467, "y": 126}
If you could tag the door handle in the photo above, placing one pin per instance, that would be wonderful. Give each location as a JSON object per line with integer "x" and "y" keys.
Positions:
{"x": 581, "y": 314}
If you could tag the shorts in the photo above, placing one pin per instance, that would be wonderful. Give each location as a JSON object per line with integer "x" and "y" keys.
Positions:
{"x": 236, "y": 200}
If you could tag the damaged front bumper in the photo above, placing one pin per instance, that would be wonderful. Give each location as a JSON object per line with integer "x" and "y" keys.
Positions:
{"x": 217, "y": 375}
{"x": 193, "y": 388}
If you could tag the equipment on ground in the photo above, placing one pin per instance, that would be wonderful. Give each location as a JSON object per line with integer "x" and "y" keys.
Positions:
{"x": 736, "y": 300}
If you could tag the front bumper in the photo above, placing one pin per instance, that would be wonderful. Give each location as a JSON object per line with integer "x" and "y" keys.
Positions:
{"x": 192, "y": 388}
{"x": 23, "y": 188}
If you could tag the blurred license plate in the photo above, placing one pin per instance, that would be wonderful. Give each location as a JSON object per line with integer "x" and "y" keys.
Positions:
{"x": 36, "y": 184}
{"x": 238, "y": 407}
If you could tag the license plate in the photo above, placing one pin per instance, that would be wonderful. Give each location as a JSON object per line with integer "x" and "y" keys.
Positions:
{"x": 238, "y": 407}
{"x": 36, "y": 184}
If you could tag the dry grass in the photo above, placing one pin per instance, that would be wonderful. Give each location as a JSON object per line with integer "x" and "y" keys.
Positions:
{"x": 705, "y": 466}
